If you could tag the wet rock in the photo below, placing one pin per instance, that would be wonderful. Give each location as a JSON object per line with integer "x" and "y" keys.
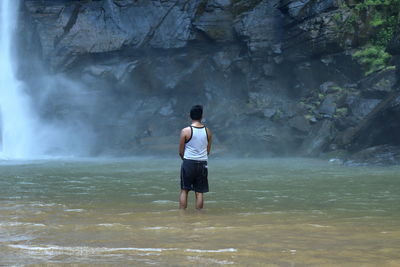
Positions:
{"x": 165, "y": 73}
{"x": 378, "y": 85}
{"x": 115, "y": 71}
{"x": 304, "y": 75}
{"x": 273, "y": 139}
{"x": 167, "y": 110}
{"x": 303, "y": 9}
{"x": 216, "y": 21}
{"x": 278, "y": 59}
{"x": 70, "y": 30}
{"x": 327, "y": 60}
{"x": 300, "y": 123}
{"x": 312, "y": 119}
{"x": 396, "y": 104}
{"x": 361, "y": 107}
{"x": 335, "y": 155}
{"x": 277, "y": 48}
{"x": 318, "y": 139}
{"x": 259, "y": 28}
{"x": 378, "y": 155}
{"x": 268, "y": 70}
{"x": 313, "y": 29}
{"x": 269, "y": 112}
{"x": 272, "y": 104}
{"x": 328, "y": 106}
{"x": 313, "y": 74}
{"x": 225, "y": 58}
{"x": 327, "y": 87}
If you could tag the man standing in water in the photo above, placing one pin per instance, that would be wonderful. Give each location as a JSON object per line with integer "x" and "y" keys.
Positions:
{"x": 194, "y": 148}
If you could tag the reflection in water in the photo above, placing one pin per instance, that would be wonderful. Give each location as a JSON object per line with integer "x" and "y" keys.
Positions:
{"x": 281, "y": 212}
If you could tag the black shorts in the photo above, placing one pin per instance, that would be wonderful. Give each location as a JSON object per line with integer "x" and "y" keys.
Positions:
{"x": 194, "y": 175}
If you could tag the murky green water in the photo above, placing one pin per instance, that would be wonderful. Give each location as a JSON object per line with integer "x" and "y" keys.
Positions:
{"x": 280, "y": 212}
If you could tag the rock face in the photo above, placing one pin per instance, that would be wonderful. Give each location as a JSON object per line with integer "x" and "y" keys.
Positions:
{"x": 275, "y": 76}
{"x": 378, "y": 155}
{"x": 73, "y": 29}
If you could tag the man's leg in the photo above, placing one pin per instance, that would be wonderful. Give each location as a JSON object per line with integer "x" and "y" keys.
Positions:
{"x": 199, "y": 201}
{"x": 183, "y": 199}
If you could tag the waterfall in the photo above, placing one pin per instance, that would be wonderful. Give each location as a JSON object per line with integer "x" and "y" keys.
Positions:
{"x": 25, "y": 134}
{"x": 17, "y": 120}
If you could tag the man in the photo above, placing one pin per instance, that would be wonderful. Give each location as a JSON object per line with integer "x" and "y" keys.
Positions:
{"x": 194, "y": 148}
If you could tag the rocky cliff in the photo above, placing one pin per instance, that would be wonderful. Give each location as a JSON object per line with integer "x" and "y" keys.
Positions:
{"x": 276, "y": 77}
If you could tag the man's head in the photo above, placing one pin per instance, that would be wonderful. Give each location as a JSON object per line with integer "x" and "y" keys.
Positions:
{"x": 196, "y": 112}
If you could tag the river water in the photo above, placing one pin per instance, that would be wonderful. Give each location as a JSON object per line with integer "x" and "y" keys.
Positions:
{"x": 272, "y": 212}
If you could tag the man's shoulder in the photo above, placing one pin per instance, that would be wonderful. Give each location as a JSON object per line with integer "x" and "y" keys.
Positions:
{"x": 186, "y": 130}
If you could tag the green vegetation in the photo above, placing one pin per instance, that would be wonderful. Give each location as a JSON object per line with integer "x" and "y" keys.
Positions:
{"x": 381, "y": 16}
{"x": 374, "y": 22}
{"x": 373, "y": 57}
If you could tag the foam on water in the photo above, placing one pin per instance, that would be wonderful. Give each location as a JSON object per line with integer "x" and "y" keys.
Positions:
{"x": 84, "y": 250}
{"x": 212, "y": 250}
{"x": 13, "y": 224}
{"x": 74, "y": 210}
{"x": 158, "y": 228}
{"x": 213, "y": 228}
{"x": 53, "y": 249}
{"x": 113, "y": 225}
{"x": 318, "y": 225}
{"x": 26, "y": 183}
{"x": 44, "y": 205}
{"x": 199, "y": 259}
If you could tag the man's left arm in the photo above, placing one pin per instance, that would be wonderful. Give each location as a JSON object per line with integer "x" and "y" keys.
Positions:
{"x": 209, "y": 138}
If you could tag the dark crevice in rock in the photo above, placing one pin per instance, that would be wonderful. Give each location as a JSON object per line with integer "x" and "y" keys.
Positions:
{"x": 70, "y": 24}
{"x": 242, "y": 6}
{"x": 321, "y": 39}
{"x": 203, "y": 36}
{"x": 201, "y": 8}
{"x": 152, "y": 31}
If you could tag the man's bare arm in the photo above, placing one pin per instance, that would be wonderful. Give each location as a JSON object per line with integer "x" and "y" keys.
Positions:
{"x": 209, "y": 135}
{"x": 182, "y": 141}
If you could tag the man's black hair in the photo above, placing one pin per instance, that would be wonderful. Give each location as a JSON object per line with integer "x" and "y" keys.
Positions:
{"x": 196, "y": 113}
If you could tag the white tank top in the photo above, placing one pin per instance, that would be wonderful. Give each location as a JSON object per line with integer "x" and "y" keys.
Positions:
{"x": 196, "y": 146}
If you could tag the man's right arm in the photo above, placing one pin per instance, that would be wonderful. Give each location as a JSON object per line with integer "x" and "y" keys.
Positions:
{"x": 182, "y": 141}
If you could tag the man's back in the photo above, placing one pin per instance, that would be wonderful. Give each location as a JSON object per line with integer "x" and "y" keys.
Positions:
{"x": 194, "y": 148}
{"x": 196, "y": 145}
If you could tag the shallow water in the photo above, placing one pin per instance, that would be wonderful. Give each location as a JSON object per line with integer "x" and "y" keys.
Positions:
{"x": 276, "y": 212}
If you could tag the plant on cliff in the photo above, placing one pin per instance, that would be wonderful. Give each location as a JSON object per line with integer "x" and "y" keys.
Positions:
{"x": 374, "y": 21}
{"x": 372, "y": 57}
{"x": 381, "y": 16}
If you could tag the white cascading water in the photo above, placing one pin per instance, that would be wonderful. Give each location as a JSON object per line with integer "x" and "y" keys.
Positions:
{"x": 17, "y": 120}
